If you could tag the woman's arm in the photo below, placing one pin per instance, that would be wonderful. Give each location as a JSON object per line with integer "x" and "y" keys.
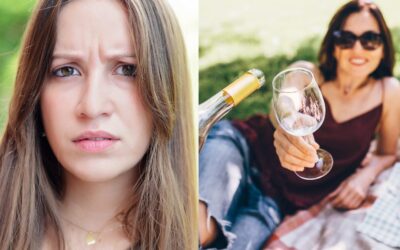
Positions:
{"x": 389, "y": 130}
{"x": 353, "y": 191}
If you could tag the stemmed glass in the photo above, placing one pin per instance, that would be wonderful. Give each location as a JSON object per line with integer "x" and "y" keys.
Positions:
{"x": 300, "y": 110}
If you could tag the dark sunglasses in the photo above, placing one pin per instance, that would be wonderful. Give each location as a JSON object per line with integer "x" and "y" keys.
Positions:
{"x": 346, "y": 39}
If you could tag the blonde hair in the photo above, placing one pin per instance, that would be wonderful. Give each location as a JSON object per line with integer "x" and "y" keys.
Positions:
{"x": 31, "y": 179}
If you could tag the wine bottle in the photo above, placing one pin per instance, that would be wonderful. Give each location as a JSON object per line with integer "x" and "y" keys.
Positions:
{"x": 213, "y": 109}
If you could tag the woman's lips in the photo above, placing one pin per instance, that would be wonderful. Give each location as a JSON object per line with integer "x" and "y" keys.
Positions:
{"x": 95, "y": 141}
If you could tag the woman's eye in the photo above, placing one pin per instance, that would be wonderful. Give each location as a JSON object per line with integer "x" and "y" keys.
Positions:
{"x": 66, "y": 71}
{"x": 126, "y": 70}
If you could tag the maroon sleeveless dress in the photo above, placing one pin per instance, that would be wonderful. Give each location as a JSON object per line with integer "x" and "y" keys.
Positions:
{"x": 348, "y": 142}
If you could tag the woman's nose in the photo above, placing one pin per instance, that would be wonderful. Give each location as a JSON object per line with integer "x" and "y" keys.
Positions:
{"x": 358, "y": 46}
{"x": 95, "y": 98}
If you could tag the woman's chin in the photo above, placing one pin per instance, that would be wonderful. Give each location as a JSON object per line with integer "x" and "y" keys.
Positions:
{"x": 100, "y": 172}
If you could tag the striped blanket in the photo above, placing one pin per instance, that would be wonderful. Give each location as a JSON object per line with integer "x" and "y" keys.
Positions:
{"x": 375, "y": 225}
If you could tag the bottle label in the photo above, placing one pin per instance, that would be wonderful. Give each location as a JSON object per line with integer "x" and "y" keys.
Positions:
{"x": 241, "y": 88}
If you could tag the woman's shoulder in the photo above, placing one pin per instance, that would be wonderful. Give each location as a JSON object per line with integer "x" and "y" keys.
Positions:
{"x": 391, "y": 83}
{"x": 391, "y": 88}
{"x": 391, "y": 93}
{"x": 311, "y": 67}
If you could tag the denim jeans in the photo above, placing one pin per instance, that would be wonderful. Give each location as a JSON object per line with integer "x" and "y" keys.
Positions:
{"x": 246, "y": 218}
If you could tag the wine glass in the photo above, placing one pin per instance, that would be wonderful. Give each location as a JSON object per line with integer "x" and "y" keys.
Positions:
{"x": 300, "y": 110}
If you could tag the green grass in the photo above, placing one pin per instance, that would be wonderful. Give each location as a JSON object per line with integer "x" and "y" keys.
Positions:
{"x": 238, "y": 35}
{"x": 13, "y": 18}
{"x": 215, "y": 77}
{"x": 231, "y": 28}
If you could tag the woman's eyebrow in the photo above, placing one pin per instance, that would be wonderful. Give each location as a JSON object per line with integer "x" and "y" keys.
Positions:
{"x": 120, "y": 55}
{"x": 68, "y": 55}
{"x": 80, "y": 57}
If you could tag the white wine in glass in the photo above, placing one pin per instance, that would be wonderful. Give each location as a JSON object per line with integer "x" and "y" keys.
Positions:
{"x": 300, "y": 110}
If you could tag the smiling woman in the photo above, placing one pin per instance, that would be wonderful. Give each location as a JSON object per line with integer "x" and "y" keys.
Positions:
{"x": 99, "y": 147}
{"x": 254, "y": 161}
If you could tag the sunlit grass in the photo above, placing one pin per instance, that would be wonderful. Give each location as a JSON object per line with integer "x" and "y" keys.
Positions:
{"x": 231, "y": 29}
{"x": 267, "y": 34}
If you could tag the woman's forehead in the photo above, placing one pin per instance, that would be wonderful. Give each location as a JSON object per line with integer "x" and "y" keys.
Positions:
{"x": 88, "y": 24}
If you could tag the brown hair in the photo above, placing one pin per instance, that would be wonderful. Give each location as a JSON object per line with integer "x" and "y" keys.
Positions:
{"x": 30, "y": 176}
{"x": 327, "y": 61}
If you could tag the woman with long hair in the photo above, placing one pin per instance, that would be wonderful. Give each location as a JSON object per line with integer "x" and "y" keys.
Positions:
{"x": 98, "y": 149}
{"x": 254, "y": 161}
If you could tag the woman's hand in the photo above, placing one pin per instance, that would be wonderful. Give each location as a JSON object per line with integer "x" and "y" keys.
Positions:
{"x": 294, "y": 152}
{"x": 352, "y": 192}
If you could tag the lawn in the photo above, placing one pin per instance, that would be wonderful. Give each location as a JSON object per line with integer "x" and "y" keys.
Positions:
{"x": 238, "y": 35}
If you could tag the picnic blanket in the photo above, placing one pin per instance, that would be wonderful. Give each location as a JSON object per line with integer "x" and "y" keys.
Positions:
{"x": 375, "y": 225}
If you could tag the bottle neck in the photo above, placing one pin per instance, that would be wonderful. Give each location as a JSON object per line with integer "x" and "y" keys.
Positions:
{"x": 243, "y": 87}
